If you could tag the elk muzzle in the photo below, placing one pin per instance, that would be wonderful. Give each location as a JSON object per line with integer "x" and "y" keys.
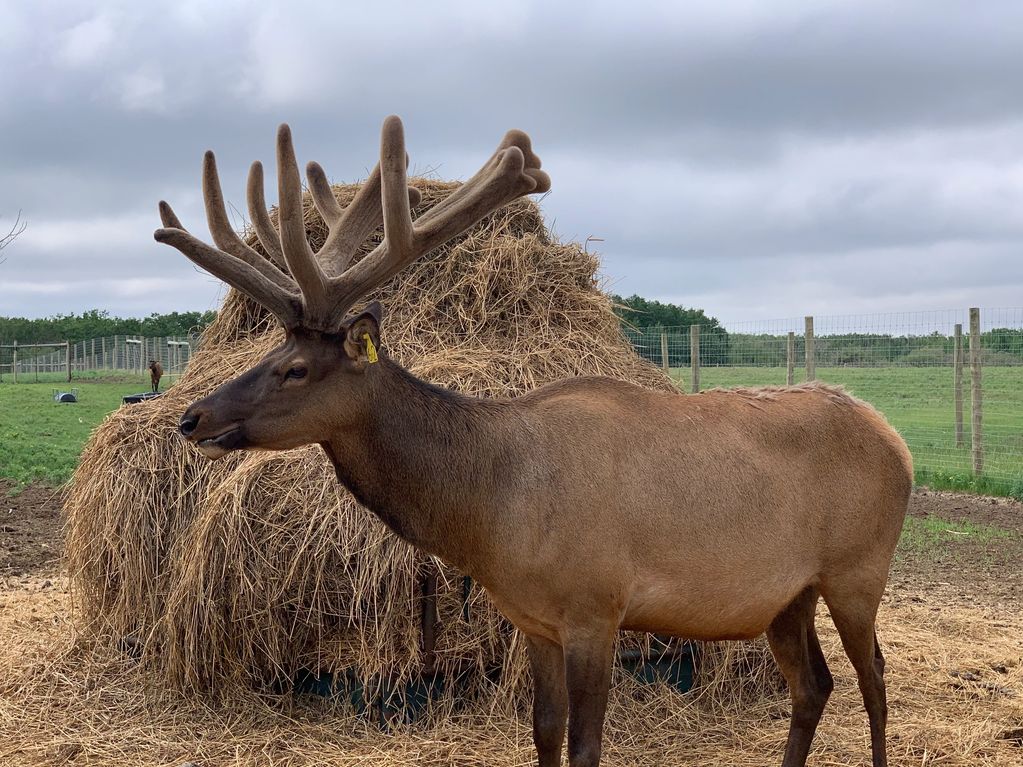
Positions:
{"x": 214, "y": 441}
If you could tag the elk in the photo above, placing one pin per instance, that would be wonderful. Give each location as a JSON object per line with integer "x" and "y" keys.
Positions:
{"x": 155, "y": 374}
{"x": 584, "y": 507}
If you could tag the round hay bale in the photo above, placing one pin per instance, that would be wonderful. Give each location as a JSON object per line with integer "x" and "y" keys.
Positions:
{"x": 261, "y": 564}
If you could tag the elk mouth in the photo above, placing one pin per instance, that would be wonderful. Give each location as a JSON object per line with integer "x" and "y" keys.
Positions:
{"x": 222, "y": 444}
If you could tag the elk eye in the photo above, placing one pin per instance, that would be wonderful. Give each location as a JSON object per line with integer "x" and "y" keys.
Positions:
{"x": 296, "y": 372}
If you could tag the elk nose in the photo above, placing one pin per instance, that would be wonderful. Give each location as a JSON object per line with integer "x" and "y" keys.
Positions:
{"x": 187, "y": 424}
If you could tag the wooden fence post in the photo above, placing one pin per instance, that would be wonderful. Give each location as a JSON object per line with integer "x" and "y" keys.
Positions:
{"x": 811, "y": 363}
{"x": 67, "y": 354}
{"x": 790, "y": 359}
{"x": 957, "y": 378}
{"x": 664, "y": 352}
{"x": 14, "y": 363}
{"x": 694, "y": 356}
{"x": 977, "y": 436}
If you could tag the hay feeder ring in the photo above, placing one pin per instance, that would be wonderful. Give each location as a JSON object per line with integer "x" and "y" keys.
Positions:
{"x": 65, "y": 396}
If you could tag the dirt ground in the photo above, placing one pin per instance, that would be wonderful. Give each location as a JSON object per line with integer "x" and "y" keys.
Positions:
{"x": 951, "y": 624}
{"x": 960, "y": 568}
{"x": 30, "y": 537}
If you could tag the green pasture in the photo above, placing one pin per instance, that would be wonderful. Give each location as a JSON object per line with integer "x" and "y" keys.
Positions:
{"x": 919, "y": 402}
{"x": 40, "y": 439}
{"x": 933, "y": 534}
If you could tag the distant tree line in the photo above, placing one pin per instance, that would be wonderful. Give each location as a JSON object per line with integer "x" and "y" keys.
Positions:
{"x": 1000, "y": 346}
{"x": 643, "y": 320}
{"x": 97, "y": 323}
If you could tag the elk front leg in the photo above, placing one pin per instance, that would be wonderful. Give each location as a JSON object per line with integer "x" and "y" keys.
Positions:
{"x": 550, "y": 699}
{"x": 588, "y": 676}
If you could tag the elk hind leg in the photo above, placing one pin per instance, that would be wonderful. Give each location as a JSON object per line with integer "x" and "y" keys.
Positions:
{"x": 854, "y": 613}
{"x": 795, "y": 647}
{"x": 550, "y": 699}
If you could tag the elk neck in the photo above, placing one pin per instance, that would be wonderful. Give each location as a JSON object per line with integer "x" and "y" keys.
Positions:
{"x": 430, "y": 462}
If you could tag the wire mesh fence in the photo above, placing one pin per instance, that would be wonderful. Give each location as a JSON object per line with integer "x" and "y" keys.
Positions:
{"x": 951, "y": 382}
{"x": 95, "y": 357}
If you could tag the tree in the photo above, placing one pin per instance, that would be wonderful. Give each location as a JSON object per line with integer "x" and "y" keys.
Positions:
{"x": 640, "y": 312}
{"x": 95, "y": 323}
{"x": 18, "y": 227}
{"x": 644, "y": 321}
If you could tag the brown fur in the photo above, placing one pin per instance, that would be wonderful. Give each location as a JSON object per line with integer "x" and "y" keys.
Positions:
{"x": 584, "y": 507}
{"x": 155, "y": 374}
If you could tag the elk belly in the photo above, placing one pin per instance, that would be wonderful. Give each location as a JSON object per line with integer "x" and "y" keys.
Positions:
{"x": 709, "y": 610}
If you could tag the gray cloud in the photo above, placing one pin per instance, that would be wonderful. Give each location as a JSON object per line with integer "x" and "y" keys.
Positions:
{"x": 754, "y": 160}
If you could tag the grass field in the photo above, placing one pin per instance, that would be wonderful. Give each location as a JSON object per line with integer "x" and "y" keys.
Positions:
{"x": 919, "y": 402}
{"x": 40, "y": 440}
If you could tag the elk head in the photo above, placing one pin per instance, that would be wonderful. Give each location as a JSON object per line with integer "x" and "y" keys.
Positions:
{"x": 320, "y": 378}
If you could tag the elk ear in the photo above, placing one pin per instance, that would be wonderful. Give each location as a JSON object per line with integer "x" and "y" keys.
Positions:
{"x": 362, "y": 334}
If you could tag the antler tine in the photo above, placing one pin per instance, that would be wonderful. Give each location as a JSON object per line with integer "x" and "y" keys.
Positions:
{"x": 301, "y": 261}
{"x": 531, "y": 168}
{"x": 504, "y": 178}
{"x": 394, "y": 189}
{"x": 512, "y": 171}
{"x": 261, "y": 223}
{"x": 348, "y": 228}
{"x": 323, "y": 197}
{"x": 234, "y": 271}
{"x": 224, "y": 235}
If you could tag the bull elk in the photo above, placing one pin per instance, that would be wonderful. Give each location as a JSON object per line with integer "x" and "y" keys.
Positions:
{"x": 584, "y": 507}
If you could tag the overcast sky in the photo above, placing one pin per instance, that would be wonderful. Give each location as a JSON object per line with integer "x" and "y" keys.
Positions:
{"x": 754, "y": 159}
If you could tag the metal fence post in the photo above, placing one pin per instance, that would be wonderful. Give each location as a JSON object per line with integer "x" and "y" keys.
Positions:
{"x": 977, "y": 422}
{"x": 790, "y": 359}
{"x": 957, "y": 379}
{"x": 694, "y": 356}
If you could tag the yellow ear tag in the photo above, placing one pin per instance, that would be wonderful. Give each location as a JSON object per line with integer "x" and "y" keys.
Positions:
{"x": 371, "y": 350}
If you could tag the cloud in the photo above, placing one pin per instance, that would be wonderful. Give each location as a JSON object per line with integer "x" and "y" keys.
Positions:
{"x": 820, "y": 156}
{"x": 142, "y": 90}
{"x": 65, "y": 236}
{"x": 86, "y": 43}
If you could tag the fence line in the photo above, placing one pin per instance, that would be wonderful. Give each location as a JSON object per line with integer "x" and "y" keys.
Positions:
{"x": 911, "y": 366}
{"x": 962, "y": 430}
{"x": 65, "y": 360}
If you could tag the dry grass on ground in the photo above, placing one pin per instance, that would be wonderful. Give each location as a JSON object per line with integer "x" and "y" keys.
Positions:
{"x": 955, "y": 692}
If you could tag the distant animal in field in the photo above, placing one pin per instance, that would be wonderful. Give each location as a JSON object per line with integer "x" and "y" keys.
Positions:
{"x": 584, "y": 507}
{"x": 155, "y": 374}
